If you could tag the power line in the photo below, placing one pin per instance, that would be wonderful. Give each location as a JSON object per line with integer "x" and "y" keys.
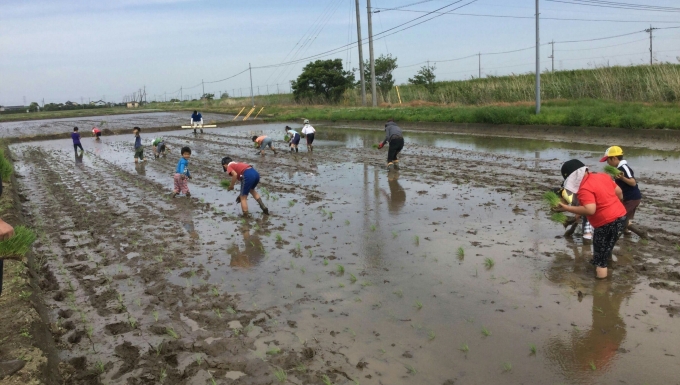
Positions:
{"x": 607, "y": 46}
{"x": 531, "y": 17}
{"x": 617, "y": 5}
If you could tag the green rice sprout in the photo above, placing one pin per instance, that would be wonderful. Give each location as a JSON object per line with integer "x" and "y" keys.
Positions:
{"x": 507, "y": 366}
{"x": 352, "y": 278}
{"x": 411, "y": 369}
{"x": 592, "y": 365}
{"x": 461, "y": 253}
{"x": 464, "y": 348}
{"x": 155, "y": 315}
{"x": 19, "y": 244}
{"x": 346, "y": 222}
{"x": 291, "y": 203}
{"x": 280, "y": 375}
{"x": 677, "y": 247}
{"x": 286, "y": 138}
{"x": 373, "y": 227}
{"x": 311, "y": 253}
{"x": 559, "y": 218}
{"x": 418, "y": 305}
{"x": 164, "y": 374}
{"x": 488, "y": 262}
{"x": 416, "y": 240}
{"x": 325, "y": 262}
{"x": 613, "y": 171}
{"x": 326, "y": 380}
{"x": 486, "y": 332}
{"x": 341, "y": 269}
{"x": 231, "y": 310}
{"x": 172, "y": 333}
{"x": 133, "y": 322}
{"x": 431, "y": 335}
{"x": 273, "y": 351}
{"x": 100, "y": 366}
{"x": 394, "y": 234}
{"x": 279, "y": 238}
{"x": 552, "y": 199}
{"x": 375, "y": 146}
{"x": 533, "y": 349}
{"x": 218, "y": 312}
{"x": 399, "y": 293}
{"x": 225, "y": 183}
{"x": 301, "y": 368}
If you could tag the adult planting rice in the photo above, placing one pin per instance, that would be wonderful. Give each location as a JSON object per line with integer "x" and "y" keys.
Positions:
{"x": 395, "y": 138}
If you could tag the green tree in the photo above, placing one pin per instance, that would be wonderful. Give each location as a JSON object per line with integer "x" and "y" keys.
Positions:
{"x": 384, "y": 66}
{"x": 322, "y": 78}
{"x": 425, "y": 77}
{"x": 33, "y": 107}
{"x": 224, "y": 95}
{"x": 208, "y": 96}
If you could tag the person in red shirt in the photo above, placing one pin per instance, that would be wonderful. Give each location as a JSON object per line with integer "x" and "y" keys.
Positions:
{"x": 600, "y": 201}
{"x": 97, "y": 133}
{"x": 249, "y": 178}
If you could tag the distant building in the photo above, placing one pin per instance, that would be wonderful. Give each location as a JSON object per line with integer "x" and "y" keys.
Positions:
{"x": 132, "y": 104}
{"x": 71, "y": 104}
{"x": 12, "y": 108}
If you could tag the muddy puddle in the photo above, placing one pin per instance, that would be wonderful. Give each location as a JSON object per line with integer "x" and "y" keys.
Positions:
{"x": 447, "y": 271}
{"x": 110, "y": 122}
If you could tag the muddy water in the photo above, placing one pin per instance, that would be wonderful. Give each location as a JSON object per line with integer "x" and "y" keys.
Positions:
{"x": 112, "y": 122}
{"x": 358, "y": 275}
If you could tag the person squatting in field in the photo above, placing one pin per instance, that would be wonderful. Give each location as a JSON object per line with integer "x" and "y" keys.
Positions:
{"x": 264, "y": 142}
{"x": 249, "y": 178}
{"x": 97, "y": 133}
{"x": 182, "y": 174}
{"x": 75, "y": 135}
{"x": 395, "y": 138}
{"x": 158, "y": 147}
{"x": 600, "y": 200}
{"x": 628, "y": 184}
{"x": 308, "y": 131}
{"x": 139, "y": 149}
{"x": 294, "y": 139}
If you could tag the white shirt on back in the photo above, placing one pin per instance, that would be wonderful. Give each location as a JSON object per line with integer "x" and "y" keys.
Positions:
{"x": 308, "y": 129}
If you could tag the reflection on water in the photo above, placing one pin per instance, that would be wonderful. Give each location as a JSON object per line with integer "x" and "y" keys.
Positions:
{"x": 253, "y": 252}
{"x": 585, "y": 352}
{"x": 582, "y": 354}
{"x": 396, "y": 198}
{"x": 140, "y": 168}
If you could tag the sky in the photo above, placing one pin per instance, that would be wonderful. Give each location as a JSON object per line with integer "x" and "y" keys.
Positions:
{"x": 78, "y": 50}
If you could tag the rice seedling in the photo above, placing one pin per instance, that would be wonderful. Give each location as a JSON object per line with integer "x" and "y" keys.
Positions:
{"x": 198, "y": 359}
{"x": 551, "y": 199}
{"x": 303, "y": 270}
{"x": 460, "y": 253}
{"x": 341, "y": 285}
{"x": 399, "y": 293}
{"x": 533, "y": 349}
{"x": 373, "y": 227}
{"x": 164, "y": 374}
{"x": 215, "y": 291}
{"x": 25, "y": 333}
{"x": 486, "y": 332}
{"x": 298, "y": 247}
{"x": 416, "y": 240}
{"x": 375, "y": 146}
{"x": 172, "y": 333}
{"x": 292, "y": 264}
{"x": 155, "y": 315}
{"x": 291, "y": 203}
{"x": 273, "y": 350}
{"x": 90, "y": 331}
{"x": 231, "y": 310}
{"x": 644, "y": 242}
{"x": 507, "y": 366}
{"x": 133, "y": 322}
{"x": 431, "y": 335}
{"x": 225, "y": 183}
{"x": 325, "y": 262}
{"x": 352, "y": 278}
{"x": 411, "y": 369}
{"x": 489, "y": 262}
{"x": 464, "y": 348}
{"x": 592, "y": 365}
{"x": 279, "y": 238}
{"x": 346, "y": 223}
{"x": 418, "y": 305}
{"x": 19, "y": 244}
{"x": 280, "y": 375}
{"x": 310, "y": 252}
{"x": 341, "y": 269}
{"x": 326, "y": 380}
{"x": 394, "y": 234}
{"x": 677, "y": 247}
{"x": 100, "y": 366}
{"x": 559, "y": 218}
{"x": 611, "y": 170}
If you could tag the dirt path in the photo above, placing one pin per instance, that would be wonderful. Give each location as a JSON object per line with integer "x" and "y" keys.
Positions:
{"x": 447, "y": 271}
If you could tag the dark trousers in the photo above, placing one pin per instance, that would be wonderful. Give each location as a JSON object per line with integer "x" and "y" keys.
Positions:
{"x": 76, "y": 146}
{"x": 396, "y": 145}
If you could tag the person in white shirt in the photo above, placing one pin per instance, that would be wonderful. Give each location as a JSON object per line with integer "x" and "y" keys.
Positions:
{"x": 308, "y": 131}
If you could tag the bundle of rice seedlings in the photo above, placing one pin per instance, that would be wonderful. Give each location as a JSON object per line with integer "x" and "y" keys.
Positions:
{"x": 613, "y": 171}
{"x": 286, "y": 138}
{"x": 559, "y": 218}
{"x": 376, "y": 146}
{"x": 6, "y": 168}
{"x": 552, "y": 199}
{"x": 19, "y": 244}
{"x": 225, "y": 183}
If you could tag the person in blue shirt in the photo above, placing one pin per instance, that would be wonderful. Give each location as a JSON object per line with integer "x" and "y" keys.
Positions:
{"x": 182, "y": 174}
{"x": 139, "y": 149}
{"x": 294, "y": 139}
{"x": 75, "y": 135}
{"x": 627, "y": 183}
{"x": 197, "y": 120}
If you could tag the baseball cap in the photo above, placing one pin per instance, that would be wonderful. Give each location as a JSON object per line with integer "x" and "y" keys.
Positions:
{"x": 612, "y": 151}
{"x": 570, "y": 166}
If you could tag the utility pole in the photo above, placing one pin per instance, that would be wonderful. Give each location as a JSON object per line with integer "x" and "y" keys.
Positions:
{"x": 370, "y": 52}
{"x": 180, "y": 94}
{"x": 479, "y": 64}
{"x": 552, "y": 56}
{"x": 651, "y": 46}
{"x": 361, "y": 56}
{"x": 538, "y": 61}
{"x": 203, "y": 86}
{"x": 252, "y": 97}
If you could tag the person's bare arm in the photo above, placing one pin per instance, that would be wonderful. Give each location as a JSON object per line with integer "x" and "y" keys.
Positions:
{"x": 234, "y": 179}
{"x": 628, "y": 181}
{"x": 6, "y": 231}
{"x": 619, "y": 193}
{"x": 586, "y": 210}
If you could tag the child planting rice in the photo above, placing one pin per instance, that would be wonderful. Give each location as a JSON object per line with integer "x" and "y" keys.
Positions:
{"x": 263, "y": 142}
{"x": 249, "y": 178}
{"x": 308, "y": 131}
{"x": 139, "y": 149}
{"x": 600, "y": 200}
{"x": 293, "y": 139}
{"x": 624, "y": 177}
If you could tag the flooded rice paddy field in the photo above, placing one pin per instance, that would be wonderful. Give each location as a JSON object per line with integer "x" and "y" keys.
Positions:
{"x": 448, "y": 271}
{"x": 105, "y": 122}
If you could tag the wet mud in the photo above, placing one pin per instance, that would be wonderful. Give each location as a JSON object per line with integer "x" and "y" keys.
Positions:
{"x": 446, "y": 271}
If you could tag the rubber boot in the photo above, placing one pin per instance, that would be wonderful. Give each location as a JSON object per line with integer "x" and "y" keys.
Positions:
{"x": 188, "y": 194}
{"x": 201, "y": 130}
{"x": 195, "y": 131}
{"x": 7, "y": 368}
{"x": 296, "y": 149}
{"x": 262, "y": 206}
